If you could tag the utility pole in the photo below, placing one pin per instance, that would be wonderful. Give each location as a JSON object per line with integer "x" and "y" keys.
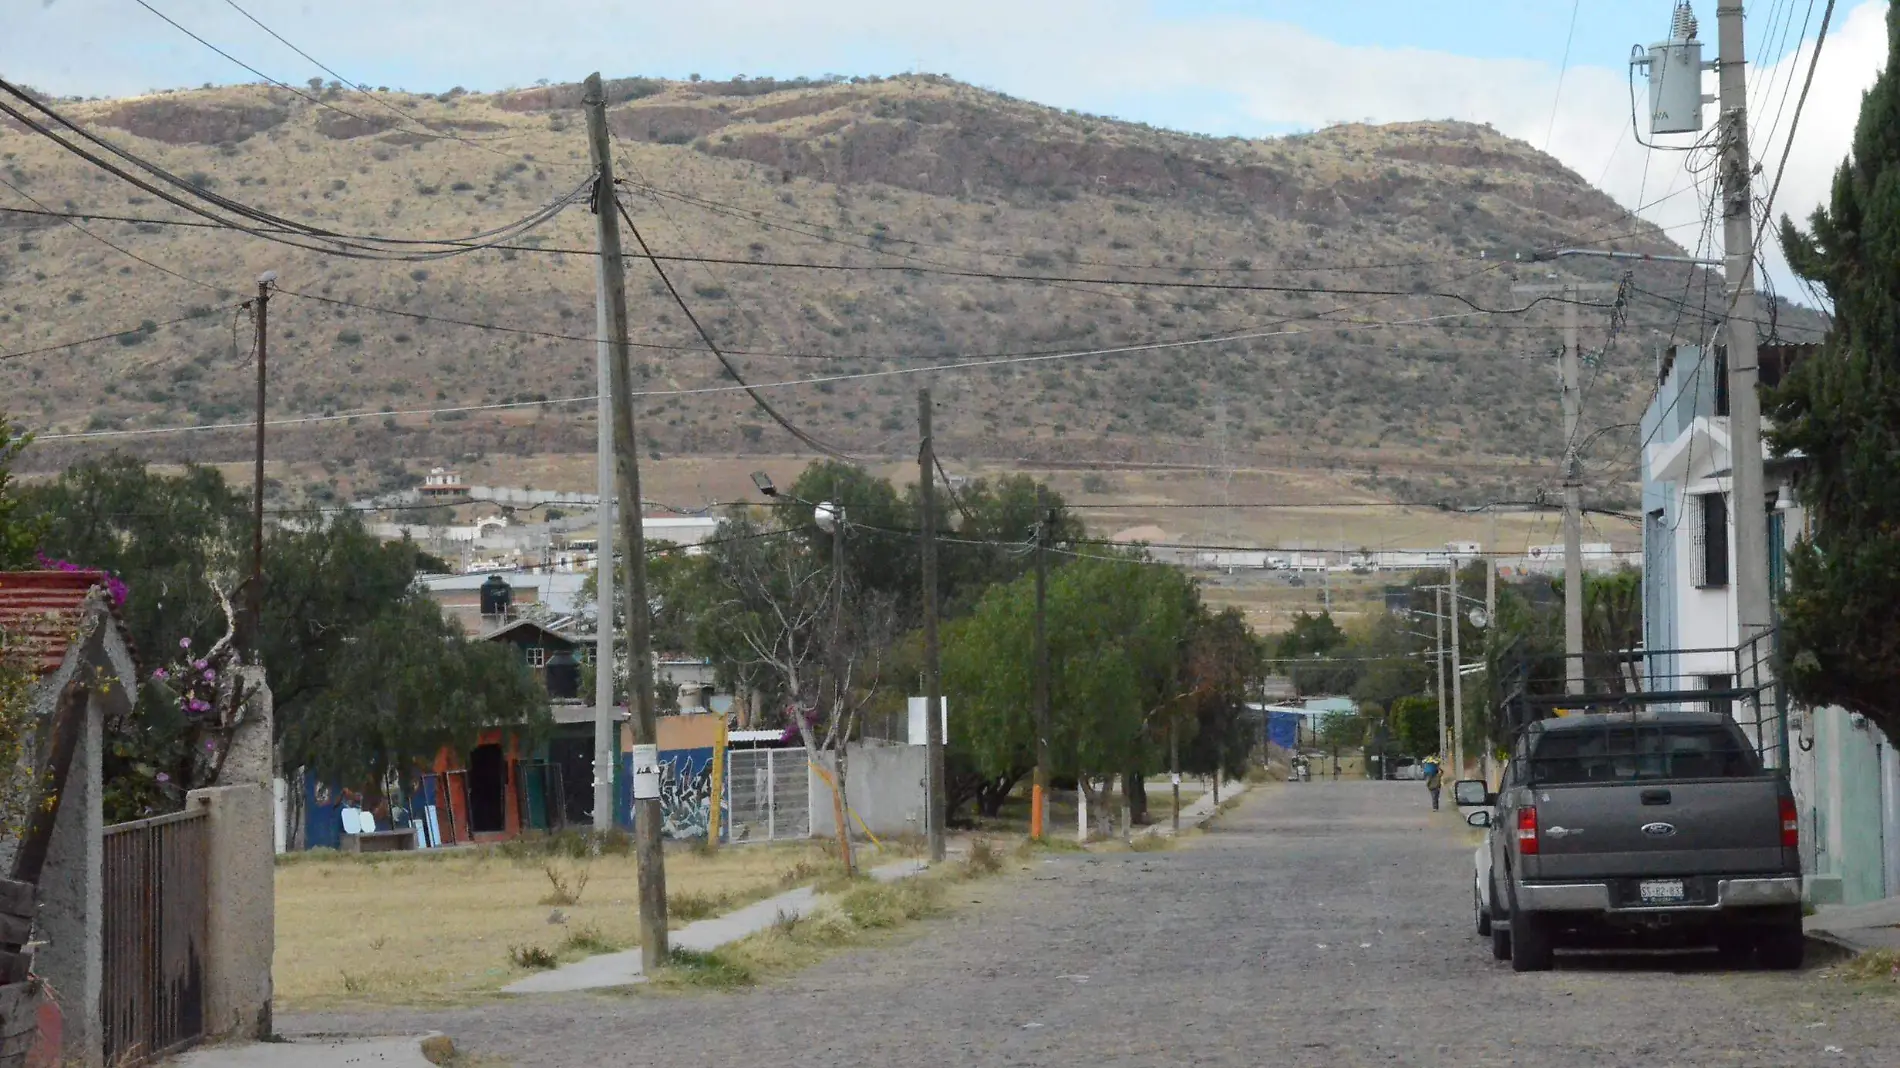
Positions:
{"x": 1490, "y": 627}
{"x": 1457, "y": 677}
{"x": 933, "y": 670}
{"x": 841, "y": 806}
{"x": 651, "y": 858}
{"x": 1570, "y": 292}
{"x": 254, "y": 595}
{"x": 1752, "y": 605}
{"x": 1039, "y": 790}
{"x": 1438, "y": 660}
{"x": 605, "y": 751}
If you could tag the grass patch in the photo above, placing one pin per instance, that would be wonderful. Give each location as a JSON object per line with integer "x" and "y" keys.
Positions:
{"x": 1050, "y": 844}
{"x": 984, "y": 858}
{"x": 566, "y": 886}
{"x": 1880, "y": 965}
{"x": 690, "y": 906}
{"x": 1152, "y": 843}
{"x": 708, "y": 971}
{"x": 875, "y": 906}
{"x": 533, "y": 958}
{"x": 435, "y": 927}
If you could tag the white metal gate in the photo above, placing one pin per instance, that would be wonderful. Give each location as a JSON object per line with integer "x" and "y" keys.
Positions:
{"x": 768, "y": 795}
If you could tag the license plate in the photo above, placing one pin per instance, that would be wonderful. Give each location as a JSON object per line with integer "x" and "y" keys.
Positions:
{"x": 1660, "y": 891}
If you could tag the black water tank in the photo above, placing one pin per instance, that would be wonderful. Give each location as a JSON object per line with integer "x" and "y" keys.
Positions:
{"x": 563, "y": 674}
{"x": 497, "y": 596}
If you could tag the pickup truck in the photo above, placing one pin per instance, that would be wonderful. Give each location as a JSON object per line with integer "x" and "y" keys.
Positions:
{"x": 1657, "y": 826}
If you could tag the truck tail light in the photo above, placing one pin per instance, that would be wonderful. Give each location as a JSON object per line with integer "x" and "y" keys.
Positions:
{"x": 1790, "y": 824}
{"x": 1527, "y": 830}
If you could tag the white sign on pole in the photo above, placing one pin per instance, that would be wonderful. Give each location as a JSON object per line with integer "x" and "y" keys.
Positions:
{"x": 646, "y": 773}
{"x": 918, "y": 725}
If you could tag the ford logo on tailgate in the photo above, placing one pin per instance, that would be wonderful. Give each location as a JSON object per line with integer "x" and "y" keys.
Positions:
{"x": 1659, "y": 830}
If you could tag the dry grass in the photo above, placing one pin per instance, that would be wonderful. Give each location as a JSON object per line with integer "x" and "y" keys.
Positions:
{"x": 436, "y": 928}
{"x": 1880, "y": 965}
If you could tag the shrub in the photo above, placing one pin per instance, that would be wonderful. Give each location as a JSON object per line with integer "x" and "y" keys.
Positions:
{"x": 533, "y": 958}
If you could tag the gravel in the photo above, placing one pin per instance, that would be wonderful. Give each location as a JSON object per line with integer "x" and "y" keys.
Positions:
{"x": 1322, "y": 924}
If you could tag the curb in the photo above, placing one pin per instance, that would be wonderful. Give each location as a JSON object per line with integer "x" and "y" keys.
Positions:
{"x": 1826, "y": 947}
{"x": 1192, "y": 823}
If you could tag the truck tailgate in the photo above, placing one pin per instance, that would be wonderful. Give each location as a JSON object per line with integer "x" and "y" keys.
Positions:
{"x": 1657, "y": 828}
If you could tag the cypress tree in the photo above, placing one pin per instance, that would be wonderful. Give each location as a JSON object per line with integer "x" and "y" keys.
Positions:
{"x": 1840, "y": 411}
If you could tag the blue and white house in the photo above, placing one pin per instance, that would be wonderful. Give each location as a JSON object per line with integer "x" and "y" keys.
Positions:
{"x": 1845, "y": 772}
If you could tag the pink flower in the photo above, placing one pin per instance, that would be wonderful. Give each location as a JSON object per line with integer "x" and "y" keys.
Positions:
{"x": 184, "y": 643}
{"x": 199, "y": 664}
{"x": 162, "y": 777}
{"x": 160, "y": 673}
{"x": 210, "y": 676}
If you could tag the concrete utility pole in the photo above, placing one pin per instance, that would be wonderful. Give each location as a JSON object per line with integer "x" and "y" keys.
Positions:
{"x": 1039, "y": 790}
{"x": 651, "y": 858}
{"x": 1490, "y": 626}
{"x": 1455, "y": 599}
{"x": 933, "y": 670}
{"x": 1752, "y": 605}
{"x": 1438, "y": 660}
{"x": 838, "y": 696}
{"x": 1571, "y": 292}
{"x": 254, "y": 594}
{"x": 604, "y": 710}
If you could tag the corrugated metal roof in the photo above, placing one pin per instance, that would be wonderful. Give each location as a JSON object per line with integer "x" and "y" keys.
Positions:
{"x": 41, "y": 611}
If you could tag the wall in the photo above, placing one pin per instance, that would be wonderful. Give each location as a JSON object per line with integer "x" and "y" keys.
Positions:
{"x": 884, "y": 786}
{"x": 239, "y": 940}
{"x": 1838, "y": 783}
{"x": 71, "y": 917}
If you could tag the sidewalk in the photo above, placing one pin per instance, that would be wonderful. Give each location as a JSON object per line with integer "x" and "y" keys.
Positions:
{"x": 310, "y": 1051}
{"x": 1193, "y": 814}
{"x": 606, "y": 970}
{"x": 1857, "y": 928}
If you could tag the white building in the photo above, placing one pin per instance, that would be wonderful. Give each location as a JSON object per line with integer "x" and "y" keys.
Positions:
{"x": 1844, "y": 772}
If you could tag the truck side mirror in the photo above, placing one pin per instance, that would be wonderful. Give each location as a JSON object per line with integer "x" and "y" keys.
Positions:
{"x": 1469, "y": 792}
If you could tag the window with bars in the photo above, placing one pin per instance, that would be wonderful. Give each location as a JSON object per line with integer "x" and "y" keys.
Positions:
{"x": 1711, "y": 540}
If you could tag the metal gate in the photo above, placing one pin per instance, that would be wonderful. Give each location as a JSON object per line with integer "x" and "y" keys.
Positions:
{"x": 156, "y": 899}
{"x": 768, "y": 795}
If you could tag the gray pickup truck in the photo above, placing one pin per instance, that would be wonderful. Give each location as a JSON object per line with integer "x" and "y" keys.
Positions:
{"x": 1656, "y": 827}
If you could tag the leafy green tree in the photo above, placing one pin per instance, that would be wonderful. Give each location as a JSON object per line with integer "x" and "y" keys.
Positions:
{"x": 1840, "y": 634}
{"x": 1414, "y": 724}
{"x": 19, "y": 528}
{"x": 1309, "y": 652}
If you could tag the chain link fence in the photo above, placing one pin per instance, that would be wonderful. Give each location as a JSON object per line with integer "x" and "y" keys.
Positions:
{"x": 768, "y": 795}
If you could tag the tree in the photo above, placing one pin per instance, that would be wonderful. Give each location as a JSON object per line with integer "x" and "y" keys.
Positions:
{"x": 1414, "y": 725}
{"x": 1840, "y": 635}
{"x": 1314, "y": 638}
{"x": 19, "y": 529}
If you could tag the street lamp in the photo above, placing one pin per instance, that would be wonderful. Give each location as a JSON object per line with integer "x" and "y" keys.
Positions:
{"x": 764, "y": 482}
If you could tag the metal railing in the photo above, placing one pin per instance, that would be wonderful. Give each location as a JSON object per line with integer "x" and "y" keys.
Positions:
{"x": 156, "y": 903}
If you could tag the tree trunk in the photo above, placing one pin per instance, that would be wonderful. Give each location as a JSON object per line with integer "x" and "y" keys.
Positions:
{"x": 1135, "y": 793}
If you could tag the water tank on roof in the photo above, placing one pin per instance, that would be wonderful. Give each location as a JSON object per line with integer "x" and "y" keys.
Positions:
{"x": 498, "y": 598}
{"x": 563, "y": 674}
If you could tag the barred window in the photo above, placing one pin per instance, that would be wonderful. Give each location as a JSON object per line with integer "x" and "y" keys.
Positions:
{"x": 1711, "y": 540}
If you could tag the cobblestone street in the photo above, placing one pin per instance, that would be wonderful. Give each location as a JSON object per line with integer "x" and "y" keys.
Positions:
{"x": 1322, "y": 924}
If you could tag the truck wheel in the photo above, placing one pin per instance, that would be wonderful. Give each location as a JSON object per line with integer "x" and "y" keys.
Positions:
{"x": 1530, "y": 942}
{"x": 1500, "y": 942}
{"x": 1782, "y": 945}
{"x": 1477, "y": 908}
{"x": 1734, "y": 945}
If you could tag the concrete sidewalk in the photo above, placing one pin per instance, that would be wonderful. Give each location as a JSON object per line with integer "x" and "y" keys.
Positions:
{"x": 1857, "y": 928}
{"x": 1193, "y": 814}
{"x": 606, "y": 970}
{"x": 311, "y": 1051}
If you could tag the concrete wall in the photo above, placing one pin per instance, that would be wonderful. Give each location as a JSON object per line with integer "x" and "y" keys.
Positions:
{"x": 1839, "y": 783}
{"x": 239, "y": 940}
{"x": 72, "y": 899}
{"x": 884, "y": 786}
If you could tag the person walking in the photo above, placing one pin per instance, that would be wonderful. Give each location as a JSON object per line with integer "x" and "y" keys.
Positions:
{"x": 1434, "y": 779}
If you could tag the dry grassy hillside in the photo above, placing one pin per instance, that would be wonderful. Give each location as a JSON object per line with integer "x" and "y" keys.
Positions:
{"x": 916, "y": 171}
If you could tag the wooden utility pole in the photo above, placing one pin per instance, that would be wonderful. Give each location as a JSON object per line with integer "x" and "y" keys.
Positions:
{"x": 1753, "y": 606}
{"x": 1039, "y": 790}
{"x": 254, "y": 591}
{"x": 933, "y": 671}
{"x": 646, "y": 785}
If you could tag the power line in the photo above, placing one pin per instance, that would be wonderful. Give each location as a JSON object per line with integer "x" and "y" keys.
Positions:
{"x": 1562, "y": 69}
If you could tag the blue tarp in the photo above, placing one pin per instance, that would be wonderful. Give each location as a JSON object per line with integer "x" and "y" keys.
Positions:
{"x": 1283, "y": 729}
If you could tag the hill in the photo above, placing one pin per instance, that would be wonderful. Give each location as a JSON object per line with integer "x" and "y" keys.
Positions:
{"x": 1327, "y": 247}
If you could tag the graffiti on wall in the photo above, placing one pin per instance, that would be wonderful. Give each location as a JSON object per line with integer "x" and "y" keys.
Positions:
{"x": 686, "y": 793}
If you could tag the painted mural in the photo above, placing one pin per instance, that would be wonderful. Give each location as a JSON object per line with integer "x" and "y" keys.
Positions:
{"x": 686, "y": 793}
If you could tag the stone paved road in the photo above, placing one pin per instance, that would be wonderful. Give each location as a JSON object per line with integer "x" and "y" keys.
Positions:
{"x": 1320, "y": 924}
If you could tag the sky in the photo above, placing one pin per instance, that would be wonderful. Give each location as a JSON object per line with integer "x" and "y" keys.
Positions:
{"x": 1552, "y": 72}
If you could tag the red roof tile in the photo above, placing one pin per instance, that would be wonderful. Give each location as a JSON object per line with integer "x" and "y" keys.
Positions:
{"x": 40, "y": 611}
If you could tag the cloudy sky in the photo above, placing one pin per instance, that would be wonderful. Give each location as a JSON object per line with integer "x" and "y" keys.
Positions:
{"x": 1247, "y": 67}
